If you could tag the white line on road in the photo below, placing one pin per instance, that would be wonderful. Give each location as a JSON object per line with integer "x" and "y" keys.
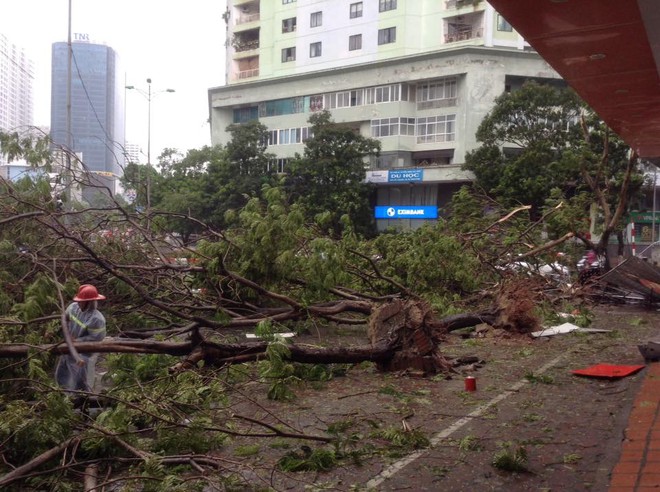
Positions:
{"x": 436, "y": 439}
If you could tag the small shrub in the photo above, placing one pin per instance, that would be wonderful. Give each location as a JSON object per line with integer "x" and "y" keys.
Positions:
{"x": 248, "y": 450}
{"x": 540, "y": 379}
{"x": 306, "y": 459}
{"x": 469, "y": 443}
{"x": 571, "y": 459}
{"x": 509, "y": 459}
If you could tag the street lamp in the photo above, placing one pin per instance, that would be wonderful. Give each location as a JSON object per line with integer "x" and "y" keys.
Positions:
{"x": 149, "y": 95}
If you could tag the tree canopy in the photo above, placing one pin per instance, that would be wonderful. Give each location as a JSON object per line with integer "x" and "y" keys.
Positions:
{"x": 541, "y": 145}
{"x": 329, "y": 178}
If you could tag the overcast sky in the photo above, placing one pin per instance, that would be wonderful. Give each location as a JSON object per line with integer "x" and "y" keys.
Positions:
{"x": 179, "y": 45}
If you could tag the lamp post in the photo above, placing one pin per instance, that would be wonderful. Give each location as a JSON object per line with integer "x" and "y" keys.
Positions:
{"x": 149, "y": 95}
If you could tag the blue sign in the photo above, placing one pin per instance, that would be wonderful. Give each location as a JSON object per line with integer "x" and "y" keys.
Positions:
{"x": 405, "y": 175}
{"x": 406, "y": 212}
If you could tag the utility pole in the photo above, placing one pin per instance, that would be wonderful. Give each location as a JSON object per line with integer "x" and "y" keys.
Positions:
{"x": 69, "y": 145}
{"x": 148, "y": 95}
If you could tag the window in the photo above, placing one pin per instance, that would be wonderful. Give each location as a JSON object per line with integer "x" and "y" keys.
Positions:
{"x": 278, "y": 165}
{"x": 407, "y": 126}
{"x": 356, "y": 10}
{"x": 383, "y": 94}
{"x": 315, "y": 50}
{"x": 385, "y": 5}
{"x": 387, "y": 93}
{"x": 343, "y": 99}
{"x": 355, "y": 42}
{"x": 436, "y": 129}
{"x": 387, "y": 35}
{"x": 388, "y": 127}
{"x": 385, "y": 127}
{"x": 316, "y": 103}
{"x": 503, "y": 25}
{"x": 280, "y": 107}
{"x": 436, "y": 94}
{"x": 288, "y": 54}
{"x": 316, "y": 19}
{"x": 287, "y": 136}
{"x": 243, "y": 115}
{"x": 289, "y": 25}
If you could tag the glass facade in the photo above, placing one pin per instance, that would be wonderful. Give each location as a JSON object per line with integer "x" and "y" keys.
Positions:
{"x": 97, "y": 105}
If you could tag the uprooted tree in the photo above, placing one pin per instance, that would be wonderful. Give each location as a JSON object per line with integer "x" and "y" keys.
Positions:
{"x": 174, "y": 313}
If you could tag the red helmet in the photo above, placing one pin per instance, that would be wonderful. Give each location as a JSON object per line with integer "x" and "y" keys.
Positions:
{"x": 88, "y": 292}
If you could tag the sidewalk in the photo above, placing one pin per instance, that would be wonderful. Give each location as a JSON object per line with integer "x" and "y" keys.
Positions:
{"x": 639, "y": 464}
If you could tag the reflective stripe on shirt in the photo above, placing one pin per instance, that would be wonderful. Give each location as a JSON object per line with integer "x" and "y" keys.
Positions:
{"x": 84, "y": 326}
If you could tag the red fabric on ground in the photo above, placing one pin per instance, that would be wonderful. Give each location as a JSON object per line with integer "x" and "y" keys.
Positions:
{"x": 608, "y": 371}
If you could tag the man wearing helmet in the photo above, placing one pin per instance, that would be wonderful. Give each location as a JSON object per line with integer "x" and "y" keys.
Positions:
{"x": 85, "y": 323}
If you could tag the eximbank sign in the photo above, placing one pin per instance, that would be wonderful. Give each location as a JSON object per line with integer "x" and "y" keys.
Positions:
{"x": 400, "y": 211}
{"x": 406, "y": 212}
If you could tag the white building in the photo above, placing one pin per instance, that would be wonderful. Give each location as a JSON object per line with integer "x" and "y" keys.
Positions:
{"x": 16, "y": 94}
{"x": 418, "y": 75}
{"x": 132, "y": 151}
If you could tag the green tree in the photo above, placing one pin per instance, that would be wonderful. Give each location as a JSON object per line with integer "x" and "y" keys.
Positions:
{"x": 241, "y": 174}
{"x": 329, "y": 178}
{"x": 542, "y": 145}
{"x": 523, "y": 138}
{"x": 207, "y": 183}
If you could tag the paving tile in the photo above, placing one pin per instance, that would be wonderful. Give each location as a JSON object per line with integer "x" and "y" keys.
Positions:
{"x": 652, "y": 467}
{"x": 624, "y": 480}
{"x": 634, "y": 444}
{"x": 649, "y": 480}
{"x": 653, "y": 455}
{"x": 632, "y": 455}
{"x": 638, "y": 469}
{"x": 637, "y": 434}
{"x": 627, "y": 467}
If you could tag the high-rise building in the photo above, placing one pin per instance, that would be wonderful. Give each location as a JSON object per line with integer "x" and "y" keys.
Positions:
{"x": 16, "y": 94}
{"x": 417, "y": 75}
{"x": 97, "y": 108}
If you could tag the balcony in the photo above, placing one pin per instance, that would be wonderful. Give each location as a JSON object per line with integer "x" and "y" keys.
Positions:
{"x": 245, "y": 18}
{"x": 463, "y": 35}
{"x": 241, "y": 46}
{"x": 247, "y": 74}
{"x": 459, "y": 4}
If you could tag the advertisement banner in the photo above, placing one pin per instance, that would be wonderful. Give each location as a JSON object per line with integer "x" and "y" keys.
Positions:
{"x": 406, "y": 212}
{"x": 405, "y": 175}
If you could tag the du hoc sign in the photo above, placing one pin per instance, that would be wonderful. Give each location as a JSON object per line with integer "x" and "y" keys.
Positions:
{"x": 400, "y": 211}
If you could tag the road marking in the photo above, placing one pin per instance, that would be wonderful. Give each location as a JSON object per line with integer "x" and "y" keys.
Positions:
{"x": 436, "y": 439}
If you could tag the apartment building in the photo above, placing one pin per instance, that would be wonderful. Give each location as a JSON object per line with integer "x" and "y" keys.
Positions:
{"x": 417, "y": 75}
{"x": 16, "y": 93}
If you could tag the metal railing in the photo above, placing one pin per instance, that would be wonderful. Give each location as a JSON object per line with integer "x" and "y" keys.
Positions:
{"x": 463, "y": 35}
{"x": 246, "y": 45}
{"x": 246, "y": 74}
{"x": 245, "y": 18}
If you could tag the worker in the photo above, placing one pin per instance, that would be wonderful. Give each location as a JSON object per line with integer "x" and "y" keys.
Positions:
{"x": 85, "y": 323}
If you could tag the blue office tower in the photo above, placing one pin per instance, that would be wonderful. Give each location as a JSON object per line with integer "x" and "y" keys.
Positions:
{"x": 97, "y": 109}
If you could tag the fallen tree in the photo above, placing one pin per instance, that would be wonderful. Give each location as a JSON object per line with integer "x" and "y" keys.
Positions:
{"x": 402, "y": 335}
{"x": 174, "y": 312}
